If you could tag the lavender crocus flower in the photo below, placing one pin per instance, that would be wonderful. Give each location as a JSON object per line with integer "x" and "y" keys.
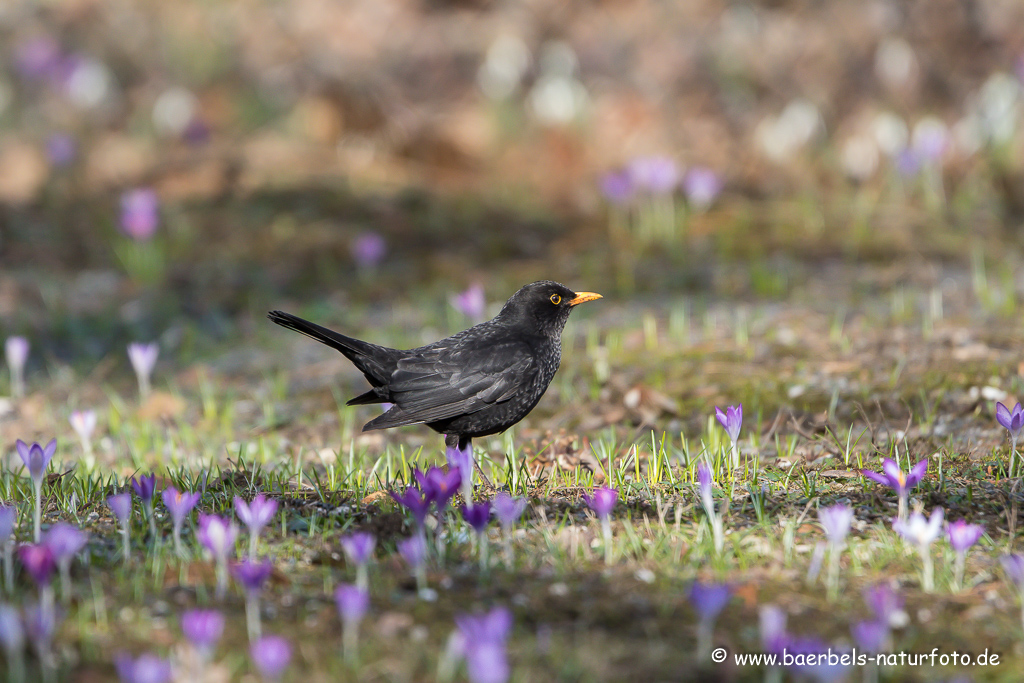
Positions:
{"x": 617, "y": 188}
{"x": 255, "y": 516}
{"x": 508, "y": 510}
{"x": 37, "y": 58}
{"x": 41, "y": 623}
{"x": 708, "y": 599}
{"x": 439, "y": 486}
{"x": 178, "y": 504}
{"x": 470, "y": 303}
{"x": 252, "y": 575}
{"x": 701, "y": 186}
{"x": 704, "y": 485}
{"x": 1013, "y": 566}
{"x": 836, "y": 521}
{"x": 37, "y": 559}
{"x": 143, "y": 359}
{"x": 148, "y": 668}
{"x": 886, "y": 604}
{"x": 8, "y": 518}
{"x": 61, "y": 149}
{"x": 218, "y": 536}
{"x": 84, "y": 423}
{"x": 461, "y": 460}
{"x": 16, "y": 352}
{"x": 12, "y": 640}
{"x": 140, "y": 214}
{"x": 1013, "y": 422}
{"x": 478, "y": 517}
{"x": 145, "y": 489}
{"x": 358, "y": 549}
{"x": 203, "y": 628}
{"x": 732, "y": 421}
{"x": 922, "y": 533}
{"x": 893, "y": 477}
{"x": 602, "y": 501}
{"x": 352, "y": 602}
{"x": 121, "y": 505}
{"x": 368, "y": 250}
{"x": 414, "y": 551}
{"x": 772, "y": 628}
{"x": 37, "y": 459}
{"x": 655, "y": 174}
{"x": 961, "y": 537}
{"x": 271, "y": 655}
{"x": 483, "y": 641}
{"x": 64, "y": 542}
{"x": 415, "y": 502}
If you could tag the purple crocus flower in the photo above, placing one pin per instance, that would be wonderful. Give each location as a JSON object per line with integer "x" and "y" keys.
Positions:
{"x": 271, "y": 655}
{"x": 1013, "y": 565}
{"x": 368, "y": 250}
{"x": 61, "y": 149}
{"x": 8, "y": 517}
{"x": 922, "y": 533}
{"x": 37, "y": 58}
{"x": 477, "y": 515}
{"x": 143, "y": 359}
{"x": 203, "y": 628}
{"x": 84, "y": 423}
{"x": 508, "y": 509}
{"x": 145, "y": 488}
{"x": 907, "y": 162}
{"x": 358, "y": 549}
{"x": 731, "y": 419}
{"x": 836, "y": 521}
{"x": 12, "y": 635}
{"x": 413, "y": 550}
{"x": 930, "y": 139}
{"x": 602, "y": 501}
{"x": 218, "y": 535}
{"x": 962, "y": 535}
{"x": 617, "y": 187}
{"x": 1012, "y": 421}
{"x": 121, "y": 505}
{"x": 140, "y": 214}
{"x": 40, "y": 625}
{"x": 655, "y": 174}
{"x": 701, "y": 186}
{"x": 255, "y": 516}
{"x": 64, "y": 541}
{"x": 148, "y": 668}
{"x": 252, "y": 575}
{"x": 38, "y": 561}
{"x": 178, "y": 504}
{"x": 439, "y": 486}
{"x": 885, "y": 603}
{"x": 705, "y": 481}
{"x": 709, "y": 599}
{"x": 871, "y": 636}
{"x": 470, "y": 303}
{"x": 352, "y": 602}
{"x": 896, "y": 479}
{"x": 483, "y": 644}
{"x": 36, "y": 458}
{"x": 415, "y": 502}
{"x": 772, "y": 627}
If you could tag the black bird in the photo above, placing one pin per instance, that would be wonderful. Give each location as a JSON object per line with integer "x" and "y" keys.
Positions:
{"x": 480, "y": 381}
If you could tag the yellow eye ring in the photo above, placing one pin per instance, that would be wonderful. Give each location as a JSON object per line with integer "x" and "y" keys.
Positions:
{"x": 555, "y": 299}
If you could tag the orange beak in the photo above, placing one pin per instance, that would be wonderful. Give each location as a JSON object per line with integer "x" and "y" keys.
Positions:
{"x": 583, "y": 297}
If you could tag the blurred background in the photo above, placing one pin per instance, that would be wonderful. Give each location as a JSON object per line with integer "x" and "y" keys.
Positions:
{"x": 172, "y": 170}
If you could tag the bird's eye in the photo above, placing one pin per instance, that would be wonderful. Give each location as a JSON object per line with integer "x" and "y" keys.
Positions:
{"x": 556, "y": 299}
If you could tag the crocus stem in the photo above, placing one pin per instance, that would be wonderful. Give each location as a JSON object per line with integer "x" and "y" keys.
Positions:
{"x": 9, "y": 567}
{"x": 177, "y": 542}
{"x": 421, "y": 578}
{"x": 362, "y": 580}
{"x": 735, "y": 455}
{"x": 17, "y": 383}
{"x": 958, "y": 571}
{"x": 606, "y": 531}
{"x": 37, "y": 513}
{"x": 222, "y": 578}
{"x": 901, "y": 511}
{"x": 254, "y": 539}
{"x": 125, "y": 545}
{"x": 928, "y": 569}
{"x": 481, "y": 543}
{"x": 717, "y": 532}
{"x": 15, "y": 666}
{"x": 349, "y": 640}
{"x": 152, "y": 523}
{"x": 64, "y": 568}
{"x": 833, "y": 571}
{"x": 252, "y": 616}
{"x": 705, "y": 631}
{"x": 144, "y": 388}
{"x": 507, "y": 543}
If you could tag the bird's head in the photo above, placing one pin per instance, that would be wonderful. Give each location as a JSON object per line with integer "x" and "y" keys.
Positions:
{"x": 544, "y": 306}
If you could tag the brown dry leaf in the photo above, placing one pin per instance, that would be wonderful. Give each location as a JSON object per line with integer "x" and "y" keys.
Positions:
{"x": 160, "y": 404}
{"x": 375, "y": 497}
{"x": 748, "y": 592}
{"x": 391, "y": 624}
{"x": 646, "y": 405}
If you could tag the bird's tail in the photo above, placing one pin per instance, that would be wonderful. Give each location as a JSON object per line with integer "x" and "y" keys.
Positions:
{"x": 369, "y": 358}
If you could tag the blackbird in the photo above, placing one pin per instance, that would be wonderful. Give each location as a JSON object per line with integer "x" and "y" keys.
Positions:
{"x": 480, "y": 381}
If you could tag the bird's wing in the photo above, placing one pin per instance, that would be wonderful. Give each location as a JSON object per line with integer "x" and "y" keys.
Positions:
{"x": 445, "y": 382}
